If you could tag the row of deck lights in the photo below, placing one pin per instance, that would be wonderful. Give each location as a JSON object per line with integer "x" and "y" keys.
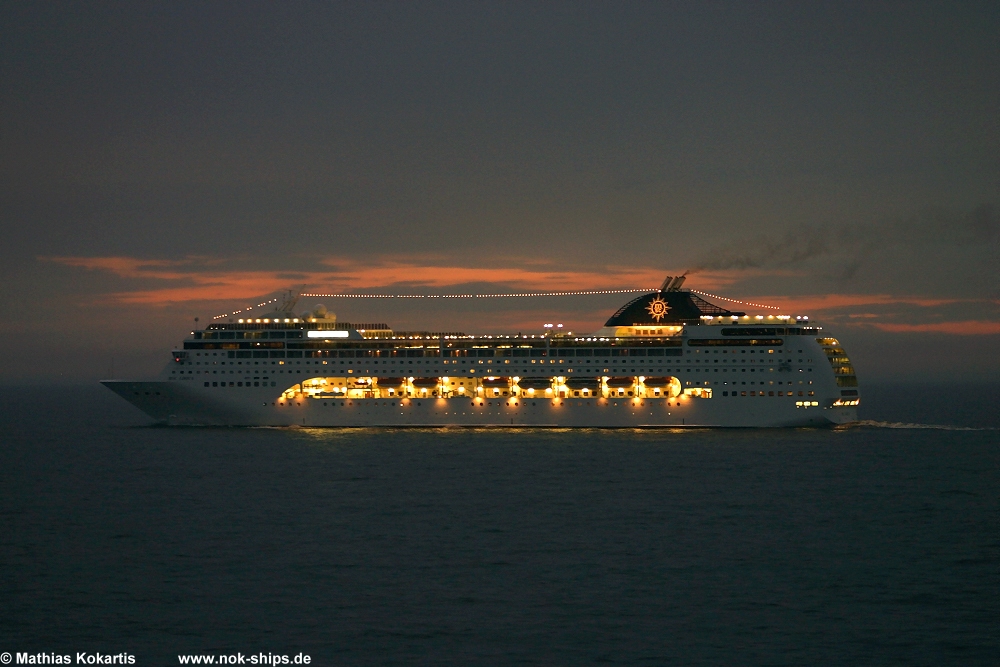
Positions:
{"x": 735, "y": 318}
{"x": 267, "y": 320}
{"x": 560, "y": 383}
{"x": 707, "y": 318}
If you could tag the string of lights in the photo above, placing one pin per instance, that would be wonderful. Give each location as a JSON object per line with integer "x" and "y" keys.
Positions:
{"x": 446, "y": 296}
{"x": 518, "y": 295}
{"x": 479, "y": 296}
{"x": 237, "y": 312}
{"x": 745, "y": 303}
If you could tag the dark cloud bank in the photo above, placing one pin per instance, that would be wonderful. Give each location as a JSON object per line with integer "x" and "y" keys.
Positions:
{"x": 591, "y": 134}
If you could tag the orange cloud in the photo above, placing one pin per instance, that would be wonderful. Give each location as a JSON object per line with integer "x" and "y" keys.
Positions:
{"x": 214, "y": 287}
{"x": 964, "y": 328}
{"x": 202, "y": 280}
{"x": 356, "y": 276}
{"x": 531, "y": 273}
{"x": 126, "y": 267}
{"x": 198, "y": 279}
{"x": 828, "y": 301}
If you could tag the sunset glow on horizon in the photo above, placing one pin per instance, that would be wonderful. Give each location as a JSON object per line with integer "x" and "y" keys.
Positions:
{"x": 821, "y": 169}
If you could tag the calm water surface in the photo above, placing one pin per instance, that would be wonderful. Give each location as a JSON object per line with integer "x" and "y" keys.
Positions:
{"x": 877, "y": 544}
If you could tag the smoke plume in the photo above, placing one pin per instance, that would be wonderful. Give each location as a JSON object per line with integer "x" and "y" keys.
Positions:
{"x": 853, "y": 246}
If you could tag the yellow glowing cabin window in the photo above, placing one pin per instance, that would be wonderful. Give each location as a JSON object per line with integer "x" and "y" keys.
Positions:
{"x": 699, "y": 392}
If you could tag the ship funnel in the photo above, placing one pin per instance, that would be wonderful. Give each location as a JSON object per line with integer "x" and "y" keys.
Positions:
{"x": 672, "y": 283}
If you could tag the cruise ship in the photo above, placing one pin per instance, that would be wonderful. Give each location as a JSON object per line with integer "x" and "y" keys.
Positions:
{"x": 667, "y": 358}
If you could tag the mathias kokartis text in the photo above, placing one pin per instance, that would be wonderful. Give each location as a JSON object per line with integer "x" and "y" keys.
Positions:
{"x": 80, "y": 659}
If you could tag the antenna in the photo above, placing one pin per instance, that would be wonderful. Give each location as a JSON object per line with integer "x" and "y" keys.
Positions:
{"x": 289, "y": 300}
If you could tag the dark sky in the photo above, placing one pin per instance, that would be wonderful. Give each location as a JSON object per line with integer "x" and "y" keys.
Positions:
{"x": 160, "y": 162}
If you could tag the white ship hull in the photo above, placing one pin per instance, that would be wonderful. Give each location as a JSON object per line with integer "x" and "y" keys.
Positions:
{"x": 175, "y": 403}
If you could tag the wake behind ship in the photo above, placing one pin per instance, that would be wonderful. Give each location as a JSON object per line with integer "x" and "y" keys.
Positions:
{"x": 668, "y": 358}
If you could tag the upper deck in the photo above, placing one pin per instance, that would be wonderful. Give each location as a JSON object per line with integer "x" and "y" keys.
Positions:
{"x": 305, "y": 338}
{"x": 659, "y": 319}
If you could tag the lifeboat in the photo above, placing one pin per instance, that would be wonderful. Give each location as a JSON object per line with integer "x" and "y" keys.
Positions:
{"x": 669, "y": 386}
{"x": 534, "y": 383}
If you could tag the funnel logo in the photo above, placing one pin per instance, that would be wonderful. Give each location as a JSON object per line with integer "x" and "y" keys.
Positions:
{"x": 658, "y": 308}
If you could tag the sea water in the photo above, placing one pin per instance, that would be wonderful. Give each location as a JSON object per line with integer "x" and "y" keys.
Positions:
{"x": 872, "y": 544}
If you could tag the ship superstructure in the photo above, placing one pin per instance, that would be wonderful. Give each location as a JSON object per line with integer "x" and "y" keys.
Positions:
{"x": 666, "y": 358}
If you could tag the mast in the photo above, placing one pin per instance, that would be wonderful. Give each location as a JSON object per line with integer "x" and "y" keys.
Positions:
{"x": 288, "y": 301}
